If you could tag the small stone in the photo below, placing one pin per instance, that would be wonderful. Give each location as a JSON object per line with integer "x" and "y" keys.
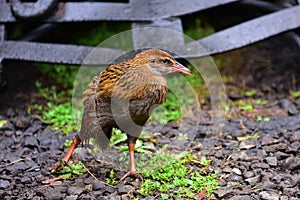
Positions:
{"x": 75, "y": 190}
{"x": 267, "y": 195}
{"x": 289, "y": 191}
{"x": 295, "y": 136}
{"x": 97, "y": 185}
{"x": 87, "y": 197}
{"x": 277, "y": 178}
{"x": 56, "y": 183}
{"x": 268, "y": 185}
{"x": 71, "y": 197}
{"x": 22, "y": 122}
{"x": 124, "y": 189}
{"x": 260, "y": 165}
{"x": 266, "y": 175}
{"x": 227, "y": 169}
{"x": 293, "y": 148}
{"x": 114, "y": 196}
{"x": 223, "y": 192}
{"x": 53, "y": 194}
{"x": 234, "y": 177}
{"x": 293, "y": 110}
{"x": 287, "y": 162}
{"x": 272, "y": 161}
{"x": 248, "y": 144}
{"x": 88, "y": 187}
{"x": 4, "y": 184}
{"x": 61, "y": 188}
{"x": 31, "y": 142}
{"x": 267, "y": 140}
{"x": 253, "y": 180}
{"x": 284, "y": 198}
{"x": 285, "y": 104}
{"x": 280, "y": 155}
{"x": 248, "y": 174}
{"x": 237, "y": 171}
{"x": 240, "y": 197}
{"x": 25, "y": 180}
{"x": 239, "y": 156}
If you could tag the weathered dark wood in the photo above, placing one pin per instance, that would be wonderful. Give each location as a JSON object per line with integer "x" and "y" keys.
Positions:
{"x": 154, "y": 13}
{"x": 137, "y": 10}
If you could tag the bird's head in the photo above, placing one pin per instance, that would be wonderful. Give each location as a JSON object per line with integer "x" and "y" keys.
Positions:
{"x": 161, "y": 62}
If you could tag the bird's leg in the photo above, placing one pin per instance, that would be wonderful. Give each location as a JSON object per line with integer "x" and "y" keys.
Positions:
{"x": 76, "y": 141}
{"x": 132, "y": 170}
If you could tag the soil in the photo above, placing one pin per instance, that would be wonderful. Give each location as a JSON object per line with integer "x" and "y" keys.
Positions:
{"x": 264, "y": 167}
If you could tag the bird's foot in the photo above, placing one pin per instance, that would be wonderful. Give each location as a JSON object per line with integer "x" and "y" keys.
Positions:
{"x": 58, "y": 166}
{"x": 133, "y": 174}
{"x": 51, "y": 180}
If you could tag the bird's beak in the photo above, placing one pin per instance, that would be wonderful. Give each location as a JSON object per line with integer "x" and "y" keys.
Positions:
{"x": 180, "y": 68}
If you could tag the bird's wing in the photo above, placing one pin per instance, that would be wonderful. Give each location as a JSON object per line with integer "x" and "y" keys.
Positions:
{"x": 91, "y": 126}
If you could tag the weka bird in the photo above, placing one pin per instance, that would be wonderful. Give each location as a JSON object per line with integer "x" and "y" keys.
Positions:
{"x": 123, "y": 96}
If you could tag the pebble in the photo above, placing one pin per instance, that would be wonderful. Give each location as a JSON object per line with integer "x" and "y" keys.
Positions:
{"x": 122, "y": 189}
{"x": 25, "y": 180}
{"x": 284, "y": 198}
{"x": 289, "y": 191}
{"x": 295, "y": 136}
{"x": 253, "y": 180}
{"x": 240, "y": 197}
{"x": 268, "y": 185}
{"x": 285, "y": 104}
{"x": 267, "y": 195}
{"x": 4, "y": 184}
{"x": 248, "y": 144}
{"x": 75, "y": 190}
{"x": 222, "y": 192}
{"x": 260, "y": 165}
{"x": 248, "y": 174}
{"x": 267, "y": 140}
{"x": 272, "y": 161}
{"x": 31, "y": 142}
{"x": 71, "y": 197}
{"x": 293, "y": 110}
{"x": 22, "y": 122}
{"x": 97, "y": 185}
{"x": 237, "y": 171}
{"x": 287, "y": 162}
{"x": 280, "y": 155}
{"x": 234, "y": 177}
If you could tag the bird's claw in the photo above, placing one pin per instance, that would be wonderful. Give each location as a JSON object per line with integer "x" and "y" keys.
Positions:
{"x": 58, "y": 166}
{"x": 131, "y": 174}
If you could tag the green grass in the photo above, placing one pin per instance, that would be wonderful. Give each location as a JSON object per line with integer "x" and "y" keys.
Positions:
{"x": 168, "y": 174}
{"x": 71, "y": 169}
{"x": 295, "y": 94}
{"x": 58, "y": 111}
{"x": 174, "y": 175}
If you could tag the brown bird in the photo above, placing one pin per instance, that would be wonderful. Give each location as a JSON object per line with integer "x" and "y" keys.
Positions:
{"x": 123, "y": 96}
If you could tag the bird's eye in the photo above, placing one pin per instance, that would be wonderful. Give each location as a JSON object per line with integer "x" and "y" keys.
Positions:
{"x": 166, "y": 61}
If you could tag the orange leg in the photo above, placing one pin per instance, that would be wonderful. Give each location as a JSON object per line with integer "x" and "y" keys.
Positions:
{"x": 132, "y": 170}
{"x": 76, "y": 141}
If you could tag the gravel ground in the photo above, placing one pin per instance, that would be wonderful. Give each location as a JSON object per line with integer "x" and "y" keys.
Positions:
{"x": 266, "y": 167}
{"x": 260, "y": 168}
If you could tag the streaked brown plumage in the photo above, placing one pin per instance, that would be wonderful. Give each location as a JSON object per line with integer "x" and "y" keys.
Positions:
{"x": 123, "y": 96}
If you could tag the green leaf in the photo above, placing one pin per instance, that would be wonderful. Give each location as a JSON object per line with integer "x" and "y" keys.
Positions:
{"x": 2, "y": 123}
{"x": 295, "y": 94}
{"x": 247, "y": 137}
